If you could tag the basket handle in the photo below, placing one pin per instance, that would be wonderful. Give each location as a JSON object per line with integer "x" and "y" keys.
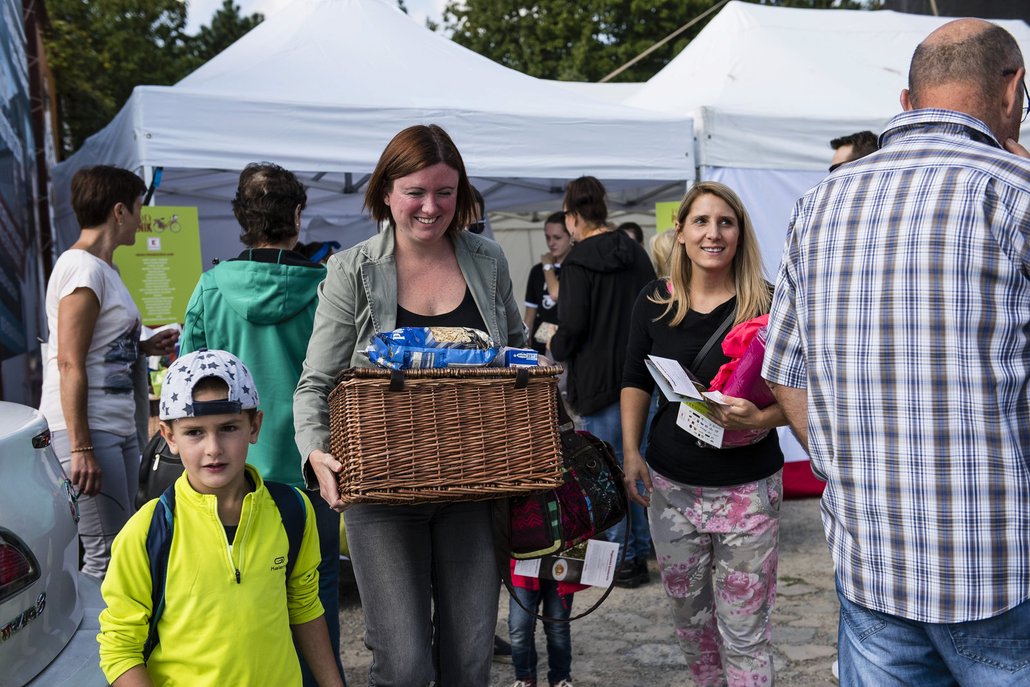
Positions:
{"x": 396, "y": 380}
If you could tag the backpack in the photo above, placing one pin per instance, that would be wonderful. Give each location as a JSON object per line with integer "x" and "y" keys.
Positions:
{"x": 159, "y": 545}
{"x": 158, "y": 469}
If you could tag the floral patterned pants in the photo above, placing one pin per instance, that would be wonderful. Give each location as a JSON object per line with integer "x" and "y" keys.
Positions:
{"x": 717, "y": 550}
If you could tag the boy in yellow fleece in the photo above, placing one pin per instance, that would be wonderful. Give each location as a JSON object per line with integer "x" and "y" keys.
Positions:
{"x": 230, "y": 615}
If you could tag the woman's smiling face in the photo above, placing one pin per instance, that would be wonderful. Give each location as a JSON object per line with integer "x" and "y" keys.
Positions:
{"x": 423, "y": 203}
{"x": 710, "y": 233}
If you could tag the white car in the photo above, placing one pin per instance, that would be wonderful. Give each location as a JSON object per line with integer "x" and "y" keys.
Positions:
{"x": 48, "y": 610}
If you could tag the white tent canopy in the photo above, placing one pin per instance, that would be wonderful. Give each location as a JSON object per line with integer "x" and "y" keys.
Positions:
{"x": 322, "y": 86}
{"x": 769, "y": 87}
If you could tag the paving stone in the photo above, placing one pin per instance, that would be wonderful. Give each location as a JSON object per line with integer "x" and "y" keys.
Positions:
{"x": 657, "y": 655}
{"x": 795, "y": 590}
{"x": 805, "y": 621}
{"x": 806, "y": 652}
{"x": 792, "y": 635}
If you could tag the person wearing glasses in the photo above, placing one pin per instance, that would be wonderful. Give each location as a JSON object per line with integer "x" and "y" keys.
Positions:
{"x": 852, "y": 147}
{"x": 898, "y": 349}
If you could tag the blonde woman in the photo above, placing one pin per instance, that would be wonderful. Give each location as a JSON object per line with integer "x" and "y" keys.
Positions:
{"x": 661, "y": 252}
{"x": 714, "y": 512}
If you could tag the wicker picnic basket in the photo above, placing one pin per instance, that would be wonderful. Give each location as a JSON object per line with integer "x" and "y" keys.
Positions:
{"x": 445, "y": 434}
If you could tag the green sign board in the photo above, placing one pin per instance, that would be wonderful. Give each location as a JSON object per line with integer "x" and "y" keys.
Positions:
{"x": 163, "y": 267}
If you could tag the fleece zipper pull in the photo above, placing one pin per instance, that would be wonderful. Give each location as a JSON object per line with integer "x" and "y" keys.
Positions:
{"x": 237, "y": 575}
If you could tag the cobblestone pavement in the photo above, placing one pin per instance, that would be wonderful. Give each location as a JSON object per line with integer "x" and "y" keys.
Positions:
{"x": 628, "y": 642}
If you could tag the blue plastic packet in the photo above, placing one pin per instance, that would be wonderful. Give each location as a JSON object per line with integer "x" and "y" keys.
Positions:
{"x": 410, "y": 348}
{"x": 520, "y": 357}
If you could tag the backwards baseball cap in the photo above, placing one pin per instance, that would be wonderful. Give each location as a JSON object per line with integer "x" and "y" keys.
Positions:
{"x": 177, "y": 390}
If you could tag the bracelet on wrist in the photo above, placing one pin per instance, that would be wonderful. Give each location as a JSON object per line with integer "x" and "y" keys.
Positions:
{"x": 82, "y": 449}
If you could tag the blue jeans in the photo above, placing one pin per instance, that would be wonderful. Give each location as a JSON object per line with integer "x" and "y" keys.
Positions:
{"x": 880, "y": 650}
{"x": 522, "y": 625}
{"x": 327, "y": 521}
{"x": 606, "y": 424}
{"x": 408, "y": 557}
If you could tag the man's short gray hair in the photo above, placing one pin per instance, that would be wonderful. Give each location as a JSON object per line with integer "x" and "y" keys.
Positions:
{"x": 980, "y": 59}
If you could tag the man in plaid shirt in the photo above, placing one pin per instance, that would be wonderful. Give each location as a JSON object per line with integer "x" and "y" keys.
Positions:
{"x": 899, "y": 347}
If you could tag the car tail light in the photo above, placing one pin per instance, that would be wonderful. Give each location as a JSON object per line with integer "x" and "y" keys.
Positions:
{"x": 18, "y": 568}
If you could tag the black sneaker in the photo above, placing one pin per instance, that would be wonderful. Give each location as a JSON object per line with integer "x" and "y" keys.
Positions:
{"x": 643, "y": 573}
{"x": 502, "y": 650}
{"x": 632, "y": 574}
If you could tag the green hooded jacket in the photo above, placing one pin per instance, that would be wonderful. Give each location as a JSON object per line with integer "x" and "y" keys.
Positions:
{"x": 260, "y": 307}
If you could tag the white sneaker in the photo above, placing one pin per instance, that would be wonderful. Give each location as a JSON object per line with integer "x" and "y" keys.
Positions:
{"x": 563, "y": 683}
{"x": 523, "y": 683}
{"x": 836, "y": 670}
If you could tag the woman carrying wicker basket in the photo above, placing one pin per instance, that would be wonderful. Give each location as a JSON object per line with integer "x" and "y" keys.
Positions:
{"x": 422, "y": 270}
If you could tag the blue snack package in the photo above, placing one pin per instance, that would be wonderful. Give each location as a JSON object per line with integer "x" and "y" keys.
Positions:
{"x": 524, "y": 357}
{"x": 409, "y": 348}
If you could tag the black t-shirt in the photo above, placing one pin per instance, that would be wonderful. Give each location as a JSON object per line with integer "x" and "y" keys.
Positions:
{"x": 538, "y": 297}
{"x": 465, "y": 315}
{"x": 671, "y": 451}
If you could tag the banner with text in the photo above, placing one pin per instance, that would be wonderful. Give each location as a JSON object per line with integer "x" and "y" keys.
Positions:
{"x": 163, "y": 267}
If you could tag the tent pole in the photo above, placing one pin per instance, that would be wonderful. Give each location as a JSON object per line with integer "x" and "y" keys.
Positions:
{"x": 148, "y": 179}
{"x": 662, "y": 42}
{"x": 154, "y": 175}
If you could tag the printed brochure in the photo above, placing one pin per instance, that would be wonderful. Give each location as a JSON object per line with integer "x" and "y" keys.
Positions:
{"x": 678, "y": 385}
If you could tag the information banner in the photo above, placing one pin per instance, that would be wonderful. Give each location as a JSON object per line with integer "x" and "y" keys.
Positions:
{"x": 17, "y": 167}
{"x": 665, "y": 215}
{"x": 163, "y": 267}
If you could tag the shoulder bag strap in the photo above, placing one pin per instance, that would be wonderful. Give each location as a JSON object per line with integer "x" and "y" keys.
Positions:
{"x": 159, "y": 545}
{"x": 294, "y": 515}
{"x": 695, "y": 364}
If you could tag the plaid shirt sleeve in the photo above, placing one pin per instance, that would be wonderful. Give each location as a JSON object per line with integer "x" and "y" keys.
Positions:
{"x": 784, "y": 349}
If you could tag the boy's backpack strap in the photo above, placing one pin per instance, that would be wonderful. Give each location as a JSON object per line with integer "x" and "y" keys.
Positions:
{"x": 159, "y": 545}
{"x": 294, "y": 515}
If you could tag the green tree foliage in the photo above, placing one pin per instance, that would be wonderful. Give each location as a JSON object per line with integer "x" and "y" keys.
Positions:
{"x": 583, "y": 40}
{"x": 99, "y": 50}
{"x": 227, "y": 26}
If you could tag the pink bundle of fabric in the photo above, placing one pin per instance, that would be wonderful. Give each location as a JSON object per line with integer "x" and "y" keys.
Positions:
{"x": 741, "y": 377}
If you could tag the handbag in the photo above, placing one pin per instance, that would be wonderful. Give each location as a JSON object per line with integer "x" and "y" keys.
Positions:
{"x": 158, "y": 468}
{"x": 590, "y": 499}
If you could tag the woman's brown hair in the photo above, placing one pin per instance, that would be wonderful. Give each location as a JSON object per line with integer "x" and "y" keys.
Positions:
{"x": 414, "y": 149}
{"x": 96, "y": 190}
{"x": 585, "y": 197}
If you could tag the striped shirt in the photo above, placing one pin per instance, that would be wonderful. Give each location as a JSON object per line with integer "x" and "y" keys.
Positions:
{"x": 903, "y": 306}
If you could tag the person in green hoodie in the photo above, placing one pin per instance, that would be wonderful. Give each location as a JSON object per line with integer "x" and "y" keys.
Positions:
{"x": 260, "y": 306}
